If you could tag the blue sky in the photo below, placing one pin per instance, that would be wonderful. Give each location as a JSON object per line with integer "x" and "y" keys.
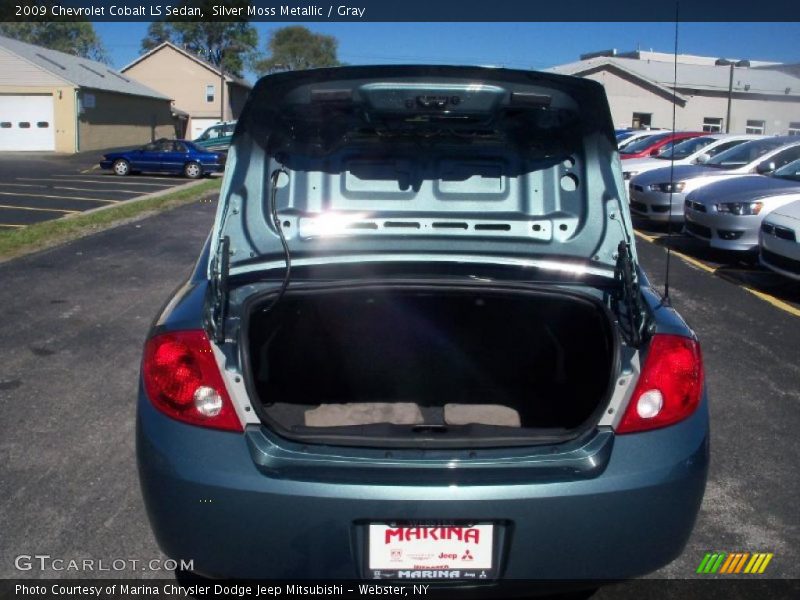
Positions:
{"x": 517, "y": 45}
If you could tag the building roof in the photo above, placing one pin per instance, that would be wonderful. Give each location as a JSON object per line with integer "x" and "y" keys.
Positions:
{"x": 78, "y": 71}
{"x": 689, "y": 59}
{"x": 756, "y": 81}
{"x": 192, "y": 56}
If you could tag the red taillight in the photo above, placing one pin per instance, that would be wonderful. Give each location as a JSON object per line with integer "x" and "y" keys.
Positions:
{"x": 669, "y": 387}
{"x": 182, "y": 380}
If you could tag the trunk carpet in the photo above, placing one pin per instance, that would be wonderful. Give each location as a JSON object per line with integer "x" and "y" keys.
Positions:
{"x": 409, "y": 413}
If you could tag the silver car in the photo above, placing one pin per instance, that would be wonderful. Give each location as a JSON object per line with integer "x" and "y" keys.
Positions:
{"x": 727, "y": 214}
{"x": 653, "y": 193}
{"x": 779, "y": 242}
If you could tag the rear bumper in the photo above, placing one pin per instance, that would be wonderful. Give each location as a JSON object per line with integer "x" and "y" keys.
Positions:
{"x": 213, "y": 167}
{"x": 208, "y": 502}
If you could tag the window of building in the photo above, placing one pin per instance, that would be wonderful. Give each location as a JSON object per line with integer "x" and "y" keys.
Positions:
{"x": 712, "y": 124}
{"x": 43, "y": 124}
{"x": 794, "y": 128}
{"x": 24, "y": 125}
{"x": 5, "y": 125}
{"x": 755, "y": 127}
{"x": 642, "y": 120}
{"x": 210, "y": 91}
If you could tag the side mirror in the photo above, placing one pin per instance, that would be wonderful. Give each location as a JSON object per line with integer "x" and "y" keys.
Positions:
{"x": 655, "y": 152}
{"x": 766, "y": 167}
{"x": 702, "y": 159}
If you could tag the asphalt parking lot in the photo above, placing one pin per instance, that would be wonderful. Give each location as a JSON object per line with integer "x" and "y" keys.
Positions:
{"x": 75, "y": 318}
{"x": 37, "y": 187}
{"x": 741, "y": 269}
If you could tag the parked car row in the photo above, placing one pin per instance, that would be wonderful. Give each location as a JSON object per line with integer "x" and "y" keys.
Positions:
{"x": 654, "y": 145}
{"x": 728, "y": 200}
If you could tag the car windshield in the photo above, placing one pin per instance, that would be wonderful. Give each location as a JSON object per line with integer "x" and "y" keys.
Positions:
{"x": 744, "y": 154}
{"x": 191, "y": 147}
{"x": 644, "y": 143}
{"x": 790, "y": 171}
{"x": 684, "y": 148}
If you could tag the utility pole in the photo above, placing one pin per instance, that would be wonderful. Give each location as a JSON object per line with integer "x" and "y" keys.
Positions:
{"x": 724, "y": 62}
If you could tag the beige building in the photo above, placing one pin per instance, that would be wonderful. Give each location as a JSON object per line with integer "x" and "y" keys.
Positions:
{"x": 196, "y": 86}
{"x": 763, "y": 98}
{"x": 52, "y": 101}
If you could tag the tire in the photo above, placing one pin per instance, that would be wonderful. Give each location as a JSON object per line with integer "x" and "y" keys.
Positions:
{"x": 121, "y": 167}
{"x": 193, "y": 170}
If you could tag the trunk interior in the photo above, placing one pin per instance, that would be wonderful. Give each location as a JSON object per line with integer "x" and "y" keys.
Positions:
{"x": 400, "y": 366}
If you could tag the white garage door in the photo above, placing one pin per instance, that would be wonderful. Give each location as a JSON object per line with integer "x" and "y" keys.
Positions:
{"x": 26, "y": 123}
{"x": 198, "y": 126}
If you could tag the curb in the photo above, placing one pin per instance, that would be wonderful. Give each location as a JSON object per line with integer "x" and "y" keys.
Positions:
{"x": 82, "y": 233}
{"x": 158, "y": 194}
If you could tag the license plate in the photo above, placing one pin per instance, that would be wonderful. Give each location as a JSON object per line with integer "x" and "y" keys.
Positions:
{"x": 441, "y": 552}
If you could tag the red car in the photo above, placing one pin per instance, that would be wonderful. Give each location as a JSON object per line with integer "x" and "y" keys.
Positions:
{"x": 653, "y": 145}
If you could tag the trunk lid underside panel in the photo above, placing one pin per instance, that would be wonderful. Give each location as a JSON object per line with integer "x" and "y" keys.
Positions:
{"x": 439, "y": 162}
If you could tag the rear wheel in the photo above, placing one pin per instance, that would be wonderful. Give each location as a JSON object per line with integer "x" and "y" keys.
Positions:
{"x": 122, "y": 167}
{"x": 192, "y": 170}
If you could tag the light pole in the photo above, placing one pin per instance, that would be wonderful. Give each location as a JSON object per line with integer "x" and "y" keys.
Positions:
{"x": 724, "y": 62}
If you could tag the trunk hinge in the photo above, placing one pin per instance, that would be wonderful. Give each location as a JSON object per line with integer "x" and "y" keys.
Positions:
{"x": 627, "y": 299}
{"x": 219, "y": 289}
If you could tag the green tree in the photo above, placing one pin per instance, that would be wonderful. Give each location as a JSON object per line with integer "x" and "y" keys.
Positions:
{"x": 296, "y": 47}
{"x": 230, "y": 45}
{"x": 78, "y": 38}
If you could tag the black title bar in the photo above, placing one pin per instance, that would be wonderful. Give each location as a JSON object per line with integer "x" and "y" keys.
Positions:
{"x": 398, "y": 11}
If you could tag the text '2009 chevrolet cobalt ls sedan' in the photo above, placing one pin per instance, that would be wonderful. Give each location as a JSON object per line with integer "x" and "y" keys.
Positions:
{"x": 418, "y": 344}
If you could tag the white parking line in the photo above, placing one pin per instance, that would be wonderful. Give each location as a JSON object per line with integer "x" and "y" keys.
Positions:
{"x": 110, "y": 177}
{"x": 73, "y": 189}
{"x": 58, "y": 197}
{"x": 162, "y": 185}
{"x": 61, "y": 210}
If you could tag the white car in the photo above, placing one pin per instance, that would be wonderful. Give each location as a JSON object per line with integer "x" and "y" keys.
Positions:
{"x": 727, "y": 214}
{"x": 655, "y": 197}
{"x": 779, "y": 240}
{"x": 692, "y": 151}
{"x": 627, "y": 137}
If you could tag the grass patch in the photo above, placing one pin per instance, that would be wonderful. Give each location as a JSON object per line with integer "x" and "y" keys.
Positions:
{"x": 50, "y": 233}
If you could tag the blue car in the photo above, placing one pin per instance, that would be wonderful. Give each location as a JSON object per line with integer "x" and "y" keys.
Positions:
{"x": 180, "y": 157}
{"x": 418, "y": 345}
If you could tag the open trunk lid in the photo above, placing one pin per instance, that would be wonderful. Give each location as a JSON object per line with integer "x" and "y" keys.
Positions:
{"x": 432, "y": 163}
{"x": 425, "y": 164}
